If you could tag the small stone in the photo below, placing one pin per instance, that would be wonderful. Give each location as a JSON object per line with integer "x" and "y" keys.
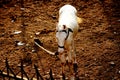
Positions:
{"x": 53, "y": 74}
{"x": 47, "y": 72}
{"x": 12, "y": 21}
{"x": 37, "y": 33}
{"x": 33, "y": 51}
{"x": 115, "y": 32}
{"x": 54, "y": 17}
{"x": 31, "y": 36}
{"x": 22, "y": 9}
{"x": 20, "y": 44}
{"x": 39, "y": 69}
{"x": 112, "y": 63}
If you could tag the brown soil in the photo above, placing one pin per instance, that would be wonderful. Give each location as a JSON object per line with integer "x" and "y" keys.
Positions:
{"x": 97, "y": 42}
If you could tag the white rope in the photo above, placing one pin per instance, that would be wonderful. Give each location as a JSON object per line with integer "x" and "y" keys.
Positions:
{"x": 52, "y": 53}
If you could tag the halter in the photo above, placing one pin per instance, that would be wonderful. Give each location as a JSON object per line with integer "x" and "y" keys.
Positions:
{"x": 69, "y": 30}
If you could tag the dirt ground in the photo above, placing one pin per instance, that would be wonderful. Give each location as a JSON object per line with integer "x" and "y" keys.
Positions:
{"x": 97, "y": 42}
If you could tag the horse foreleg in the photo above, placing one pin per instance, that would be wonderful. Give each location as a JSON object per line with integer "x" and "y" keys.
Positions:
{"x": 63, "y": 71}
{"x": 70, "y": 64}
{"x": 63, "y": 60}
{"x": 74, "y": 58}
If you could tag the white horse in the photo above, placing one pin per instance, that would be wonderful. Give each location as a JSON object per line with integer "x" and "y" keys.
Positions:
{"x": 66, "y": 30}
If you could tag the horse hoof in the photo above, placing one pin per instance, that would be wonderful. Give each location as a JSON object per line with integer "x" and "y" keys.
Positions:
{"x": 63, "y": 76}
{"x": 77, "y": 78}
{"x": 75, "y": 66}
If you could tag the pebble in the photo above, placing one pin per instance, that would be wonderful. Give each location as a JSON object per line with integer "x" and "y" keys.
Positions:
{"x": 20, "y": 44}
{"x": 112, "y": 63}
{"x": 39, "y": 69}
{"x": 31, "y": 36}
{"x": 22, "y": 9}
{"x": 12, "y": 21}
{"x": 33, "y": 51}
{"x": 54, "y": 17}
{"x": 115, "y": 32}
{"x": 37, "y": 33}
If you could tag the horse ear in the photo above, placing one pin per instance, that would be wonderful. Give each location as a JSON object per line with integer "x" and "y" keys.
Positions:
{"x": 64, "y": 27}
